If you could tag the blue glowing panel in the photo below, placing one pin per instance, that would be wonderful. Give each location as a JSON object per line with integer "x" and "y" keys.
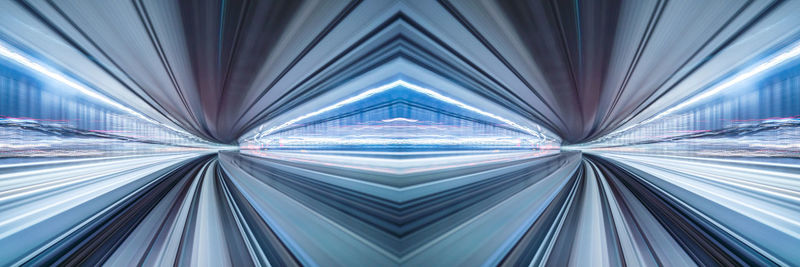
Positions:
{"x": 400, "y": 116}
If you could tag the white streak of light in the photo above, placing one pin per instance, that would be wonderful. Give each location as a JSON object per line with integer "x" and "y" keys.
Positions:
{"x": 21, "y": 59}
{"x": 408, "y": 85}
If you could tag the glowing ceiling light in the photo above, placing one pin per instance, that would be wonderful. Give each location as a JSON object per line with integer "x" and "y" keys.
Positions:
{"x": 25, "y": 61}
{"x": 773, "y": 62}
{"x": 399, "y": 119}
{"x": 339, "y": 104}
{"x": 460, "y": 104}
{"x": 408, "y": 85}
{"x": 426, "y": 140}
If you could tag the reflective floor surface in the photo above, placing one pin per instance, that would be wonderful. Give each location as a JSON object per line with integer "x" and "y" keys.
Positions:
{"x": 564, "y": 208}
{"x": 400, "y": 133}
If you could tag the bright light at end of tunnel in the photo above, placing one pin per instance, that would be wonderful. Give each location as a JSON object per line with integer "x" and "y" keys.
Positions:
{"x": 395, "y": 84}
{"x": 400, "y": 119}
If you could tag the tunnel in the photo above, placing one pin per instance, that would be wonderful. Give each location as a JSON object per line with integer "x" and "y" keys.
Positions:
{"x": 400, "y": 133}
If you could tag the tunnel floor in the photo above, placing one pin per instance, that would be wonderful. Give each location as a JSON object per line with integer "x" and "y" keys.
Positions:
{"x": 565, "y": 208}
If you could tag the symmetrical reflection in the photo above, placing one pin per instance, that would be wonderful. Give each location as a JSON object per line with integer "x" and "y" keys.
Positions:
{"x": 399, "y": 133}
{"x": 400, "y": 116}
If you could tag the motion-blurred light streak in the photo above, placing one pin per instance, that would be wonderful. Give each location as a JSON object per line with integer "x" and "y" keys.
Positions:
{"x": 395, "y": 84}
{"x": 400, "y": 133}
{"x": 29, "y": 63}
{"x": 787, "y": 54}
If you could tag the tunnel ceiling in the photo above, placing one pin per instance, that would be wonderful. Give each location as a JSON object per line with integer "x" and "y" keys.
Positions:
{"x": 218, "y": 69}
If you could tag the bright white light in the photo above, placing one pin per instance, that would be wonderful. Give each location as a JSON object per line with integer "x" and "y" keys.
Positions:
{"x": 441, "y": 97}
{"x": 775, "y": 61}
{"x": 427, "y": 140}
{"x": 399, "y": 119}
{"x": 392, "y": 85}
{"x": 353, "y": 99}
{"x": 23, "y": 60}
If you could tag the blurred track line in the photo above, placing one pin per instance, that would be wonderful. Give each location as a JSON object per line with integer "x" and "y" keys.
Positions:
{"x": 567, "y": 209}
{"x": 698, "y": 234}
